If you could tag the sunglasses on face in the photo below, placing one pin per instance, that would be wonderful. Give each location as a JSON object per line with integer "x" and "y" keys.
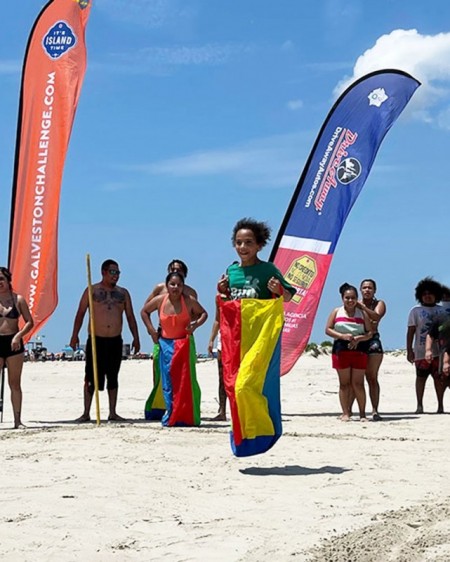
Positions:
{"x": 114, "y": 271}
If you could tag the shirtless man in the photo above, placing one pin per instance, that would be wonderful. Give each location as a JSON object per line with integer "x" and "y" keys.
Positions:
{"x": 160, "y": 288}
{"x": 110, "y": 302}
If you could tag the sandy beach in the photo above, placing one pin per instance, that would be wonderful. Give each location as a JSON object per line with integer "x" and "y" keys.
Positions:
{"x": 328, "y": 490}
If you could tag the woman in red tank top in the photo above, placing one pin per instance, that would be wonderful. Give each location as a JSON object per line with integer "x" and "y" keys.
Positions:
{"x": 179, "y": 315}
{"x": 174, "y": 355}
{"x": 174, "y": 317}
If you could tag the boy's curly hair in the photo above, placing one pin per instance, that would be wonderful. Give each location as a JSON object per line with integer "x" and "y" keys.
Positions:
{"x": 260, "y": 229}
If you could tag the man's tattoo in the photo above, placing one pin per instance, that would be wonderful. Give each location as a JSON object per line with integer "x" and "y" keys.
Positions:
{"x": 109, "y": 298}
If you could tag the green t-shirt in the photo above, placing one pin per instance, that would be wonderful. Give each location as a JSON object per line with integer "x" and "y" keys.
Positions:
{"x": 250, "y": 282}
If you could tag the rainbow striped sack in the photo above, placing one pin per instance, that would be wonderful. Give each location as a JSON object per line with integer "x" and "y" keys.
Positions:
{"x": 175, "y": 362}
{"x": 251, "y": 349}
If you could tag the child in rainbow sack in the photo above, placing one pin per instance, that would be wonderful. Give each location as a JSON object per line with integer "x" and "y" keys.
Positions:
{"x": 250, "y": 304}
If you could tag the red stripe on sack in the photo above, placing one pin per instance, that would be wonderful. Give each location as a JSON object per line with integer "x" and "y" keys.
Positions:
{"x": 230, "y": 332}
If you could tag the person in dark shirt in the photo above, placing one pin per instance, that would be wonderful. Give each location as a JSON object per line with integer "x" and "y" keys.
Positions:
{"x": 439, "y": 332}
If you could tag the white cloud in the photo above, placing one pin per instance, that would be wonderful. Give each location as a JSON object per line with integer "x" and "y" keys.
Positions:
{"x": 329, "y": 66}
{"x": 116, "y": 186}
{"x": 10, "y": 67}
{"x": 426, "y": 57}
{"x": 294, "y": 105}
{"x": 147, "y": 13}
{"x": 182, "y": 55}
{"x": 162, "y": 60}
{"x": 288, "y": 45}
{"x": 271, "y": 162}
{"x": 443, "y": 119}
{"x": 343, "y": 12}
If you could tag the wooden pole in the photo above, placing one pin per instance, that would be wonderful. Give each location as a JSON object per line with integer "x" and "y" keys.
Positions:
{"x": 93, "y": 342}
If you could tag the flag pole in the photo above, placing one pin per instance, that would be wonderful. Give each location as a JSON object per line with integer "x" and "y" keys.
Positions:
{"x": 92, "y": 332}
{"x": 2, "y": 393}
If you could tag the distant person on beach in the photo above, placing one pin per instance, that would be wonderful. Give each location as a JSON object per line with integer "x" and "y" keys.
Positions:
{"x": 160, "y": 288}
{"x": 375, "y": 310}
{"x": 179, "y": 316}
{"x": 439, "y": 333}
{"x": 12, "y": 307}
{"x": 215, "y": 334}
{"x": 428, "y": 292}
{"x": 110, "y": 303}
{"x": 350, "y": 327}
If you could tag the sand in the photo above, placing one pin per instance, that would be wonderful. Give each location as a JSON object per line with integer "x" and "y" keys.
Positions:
{"x": 328, "y": 491}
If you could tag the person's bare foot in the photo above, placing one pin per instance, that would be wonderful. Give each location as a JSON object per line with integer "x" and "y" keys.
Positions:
{"x": 220, "y": 417}
{"x": 419, "y": 410}
{"x": 83, "y": 419}
{"x": 440, "y": 411}
{"x": 116, "y": 418}
{"x": 345, "y": 418}
{"x": 363, "y": 419}
{"x": 20, "y": 425}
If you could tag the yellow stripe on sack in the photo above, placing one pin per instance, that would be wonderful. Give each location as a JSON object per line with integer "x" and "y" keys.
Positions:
{"x": 158, "y": 400}
{"x": 261, "y": 325}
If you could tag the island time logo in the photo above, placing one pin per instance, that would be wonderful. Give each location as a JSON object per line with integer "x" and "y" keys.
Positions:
{"x": 59, "y": 40}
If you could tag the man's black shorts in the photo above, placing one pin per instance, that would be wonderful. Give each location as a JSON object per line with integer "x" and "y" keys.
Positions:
{"x": 109, "y": 357}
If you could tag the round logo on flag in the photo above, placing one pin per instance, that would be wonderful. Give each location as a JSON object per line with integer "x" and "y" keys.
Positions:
{"x": 59, "y": 39}
{"x": 348, "y": 171}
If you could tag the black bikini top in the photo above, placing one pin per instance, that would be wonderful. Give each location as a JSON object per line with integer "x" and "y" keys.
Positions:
{"x": 13, "y": 313}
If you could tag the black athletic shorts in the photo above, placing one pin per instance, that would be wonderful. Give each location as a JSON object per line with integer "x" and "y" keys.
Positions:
{"x": 5, "y": 347}
{"x": 374, "y": 345}
{"x": 109, "y": 357}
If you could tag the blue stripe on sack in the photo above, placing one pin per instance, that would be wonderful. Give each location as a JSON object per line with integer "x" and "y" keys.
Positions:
{"x": 256, "y": 446}
{"x": 154, "y": 414}
{"x": 167, "y": 348}
{"x": 271, "y": 391}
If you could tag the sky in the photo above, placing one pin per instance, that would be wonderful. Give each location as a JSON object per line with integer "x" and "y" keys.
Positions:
{"x": 196, "y": 113}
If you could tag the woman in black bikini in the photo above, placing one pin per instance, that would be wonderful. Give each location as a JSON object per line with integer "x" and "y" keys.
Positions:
{"x": 375, "y": 310}
{"x": 12, "y": 307}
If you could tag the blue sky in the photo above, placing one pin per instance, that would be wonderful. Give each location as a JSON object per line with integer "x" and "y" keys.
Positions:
{"x": 196, "y": 113}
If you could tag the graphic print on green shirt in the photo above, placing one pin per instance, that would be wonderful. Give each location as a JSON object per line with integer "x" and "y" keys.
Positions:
{"x": 250, "y": 282}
